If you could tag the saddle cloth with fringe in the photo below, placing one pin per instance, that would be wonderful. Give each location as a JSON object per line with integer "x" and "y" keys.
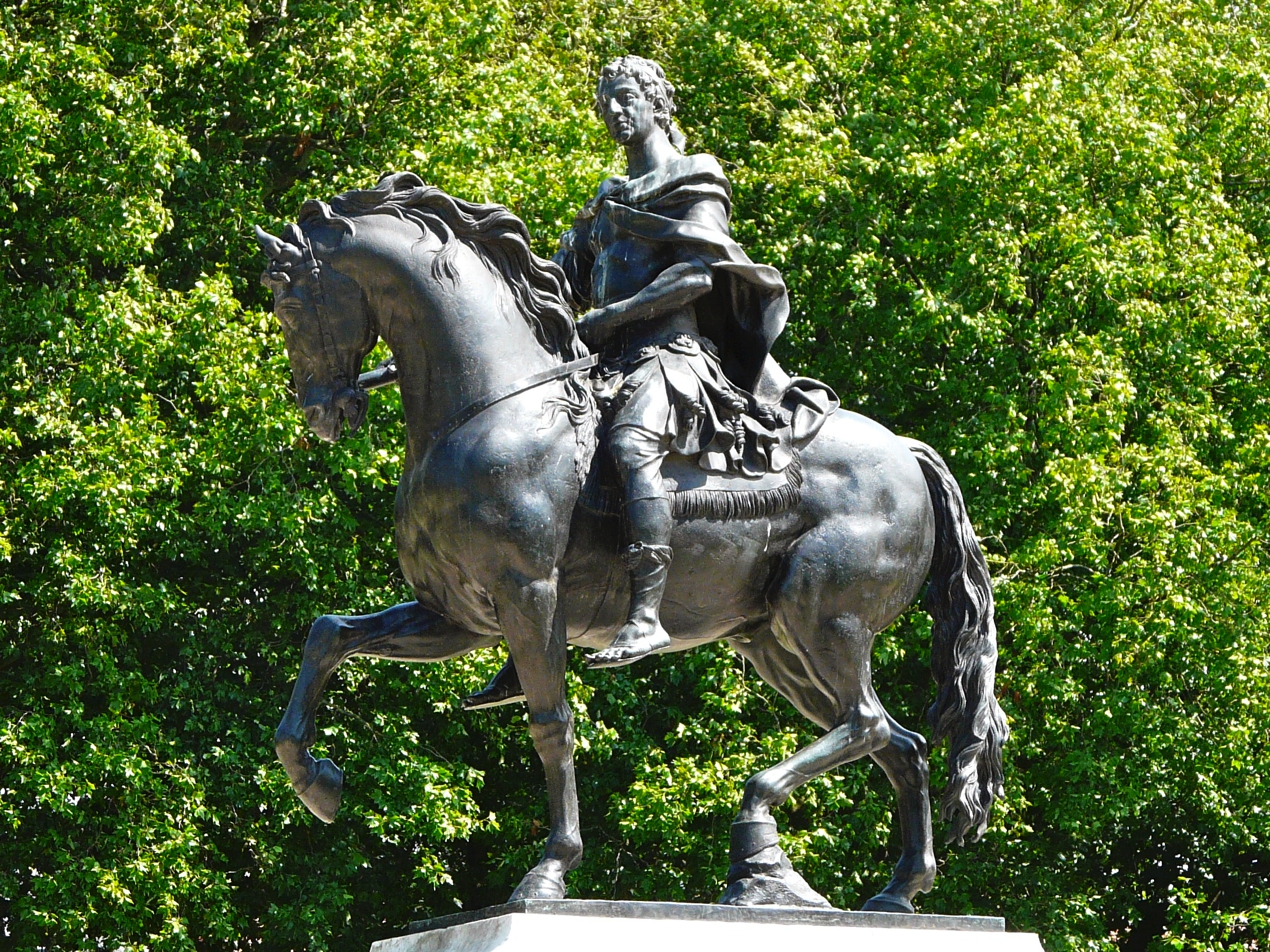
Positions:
{"x": 697, "y": 494}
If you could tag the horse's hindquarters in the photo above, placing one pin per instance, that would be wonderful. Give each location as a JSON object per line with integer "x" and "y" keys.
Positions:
{"x": 870, "y": 526}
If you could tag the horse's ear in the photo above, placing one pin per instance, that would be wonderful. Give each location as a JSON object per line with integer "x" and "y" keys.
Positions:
{"x": 293, "y": 236}
{"x": 270, "y": 245}
{"x": 275, "y": 280}
{"x": 287, "y": 250}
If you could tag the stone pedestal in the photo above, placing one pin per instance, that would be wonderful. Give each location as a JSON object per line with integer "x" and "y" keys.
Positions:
{"x": 573, "y": 925}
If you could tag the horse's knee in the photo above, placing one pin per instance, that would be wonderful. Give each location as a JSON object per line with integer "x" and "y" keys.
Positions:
{"x": 880, "y": 729}
{"x": 552, "y": 733}
{"x": 868, "y": 722}
{"x": 325, "y": 636}
{"x": 295, "y": 758}
{"x": 287, "y": 746}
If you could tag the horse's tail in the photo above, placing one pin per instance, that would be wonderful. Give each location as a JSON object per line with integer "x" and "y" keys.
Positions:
{"x": 963, "y": 657}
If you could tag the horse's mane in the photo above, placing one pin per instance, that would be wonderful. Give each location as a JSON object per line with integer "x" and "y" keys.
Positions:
{"x": 498, "y": 238}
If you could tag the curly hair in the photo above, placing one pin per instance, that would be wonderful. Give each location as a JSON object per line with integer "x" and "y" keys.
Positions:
{"x": 652, "y": 83}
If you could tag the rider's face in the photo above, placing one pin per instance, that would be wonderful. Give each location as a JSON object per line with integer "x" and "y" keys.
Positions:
{"x": 628, "y": 115}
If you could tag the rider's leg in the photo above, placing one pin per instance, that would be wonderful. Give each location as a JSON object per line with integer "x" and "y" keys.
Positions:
{"x": 503, "y": 688}
{"x": 639, "y": 453}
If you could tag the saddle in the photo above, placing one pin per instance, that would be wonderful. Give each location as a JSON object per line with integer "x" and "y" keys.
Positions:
{"x": 696, "y": 493}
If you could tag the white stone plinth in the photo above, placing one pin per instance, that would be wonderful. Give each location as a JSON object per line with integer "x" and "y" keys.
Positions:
{"x": 576, "y": 925}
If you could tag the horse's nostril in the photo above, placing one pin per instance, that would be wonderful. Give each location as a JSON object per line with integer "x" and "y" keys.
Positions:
{"x": 326, "y": 420}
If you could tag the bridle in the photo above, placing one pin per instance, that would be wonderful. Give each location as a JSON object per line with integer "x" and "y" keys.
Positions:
{"x": 310, "y": 263}
{"x": 386, "y": 373}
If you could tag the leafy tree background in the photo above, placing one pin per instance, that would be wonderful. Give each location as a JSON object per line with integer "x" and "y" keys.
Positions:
{"x": 1030, "y": 232}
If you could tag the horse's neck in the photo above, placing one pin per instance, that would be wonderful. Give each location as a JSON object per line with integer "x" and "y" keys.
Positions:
{"x": 455, "y": 342}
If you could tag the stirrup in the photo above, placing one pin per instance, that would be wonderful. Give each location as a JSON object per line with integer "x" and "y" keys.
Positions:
{"x": 648, "y": 564}
{"x": 494, "y": 695}
{"x": 619, "y": 653}
{"x": 503, "y": 688}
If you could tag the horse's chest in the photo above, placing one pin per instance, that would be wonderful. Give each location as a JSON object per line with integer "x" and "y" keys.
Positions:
{"x": 488, "y": 506}
{"x": 447, "y": 557}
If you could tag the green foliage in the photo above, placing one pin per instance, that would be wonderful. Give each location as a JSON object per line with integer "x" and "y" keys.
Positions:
{"x": 1031, "y": 233}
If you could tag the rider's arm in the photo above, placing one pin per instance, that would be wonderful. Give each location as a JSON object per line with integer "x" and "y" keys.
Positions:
{"x": 678, "y": 285}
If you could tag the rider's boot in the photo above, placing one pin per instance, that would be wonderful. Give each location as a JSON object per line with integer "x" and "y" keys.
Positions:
{"x": 648, "y": 562}
{"x": 503, "y": 688}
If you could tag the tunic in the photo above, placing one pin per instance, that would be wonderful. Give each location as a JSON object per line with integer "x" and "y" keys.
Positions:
{"x": 693, "y": 391}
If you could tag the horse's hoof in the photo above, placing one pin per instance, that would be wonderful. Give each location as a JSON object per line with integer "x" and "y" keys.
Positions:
{"x": 539, "y": 885}
{"x": 883, "y": 902}
{"x": 618, "y": 655}
{"x": 772, "y": 891}
{"x": 768, "y": 879}
{"x": 323, "y": 792}
{"x": 786, "y": 889}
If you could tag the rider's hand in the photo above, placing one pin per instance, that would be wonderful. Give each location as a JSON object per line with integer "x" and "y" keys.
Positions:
{"x": 592, "y": 328}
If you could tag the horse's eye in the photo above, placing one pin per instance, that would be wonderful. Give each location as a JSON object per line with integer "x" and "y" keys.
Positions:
{"x": 286, "y": 313}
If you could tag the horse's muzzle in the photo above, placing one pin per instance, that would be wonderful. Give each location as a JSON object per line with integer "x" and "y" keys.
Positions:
{"x": 327, "y": 418}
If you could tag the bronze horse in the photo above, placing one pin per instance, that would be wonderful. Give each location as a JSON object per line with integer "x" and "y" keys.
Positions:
{"x": 492, "y": 540}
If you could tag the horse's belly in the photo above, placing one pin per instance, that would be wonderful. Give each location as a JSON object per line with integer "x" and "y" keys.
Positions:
{"x": 718, "y": 578}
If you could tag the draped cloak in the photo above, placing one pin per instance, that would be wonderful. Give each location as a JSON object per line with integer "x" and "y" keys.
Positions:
{"x": 747, "y": 307}
{"x": 743, "y": 313}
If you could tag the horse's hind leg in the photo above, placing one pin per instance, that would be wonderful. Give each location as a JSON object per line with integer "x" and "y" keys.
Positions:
{"x": 904, "y": 760}
{"x": 406, "y": 632}
{"x": 825, "y": 673}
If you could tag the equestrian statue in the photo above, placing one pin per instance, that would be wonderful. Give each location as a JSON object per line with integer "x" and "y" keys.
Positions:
{"x": 641, "y": 480}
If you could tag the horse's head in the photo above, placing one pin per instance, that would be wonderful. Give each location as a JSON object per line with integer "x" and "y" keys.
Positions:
{"x": 327, "y": 327}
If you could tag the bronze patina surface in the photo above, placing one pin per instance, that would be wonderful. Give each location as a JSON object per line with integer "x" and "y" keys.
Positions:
{"x": 513, "y": 410}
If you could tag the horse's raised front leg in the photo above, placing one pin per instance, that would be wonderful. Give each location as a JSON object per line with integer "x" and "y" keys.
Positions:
{"x": 535, "y": 633}
{"x": 405, "y": 632}
{"x": 904, "y": 760}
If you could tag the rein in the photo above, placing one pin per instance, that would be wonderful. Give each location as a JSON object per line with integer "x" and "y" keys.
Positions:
{"x": 386, "y": 374}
